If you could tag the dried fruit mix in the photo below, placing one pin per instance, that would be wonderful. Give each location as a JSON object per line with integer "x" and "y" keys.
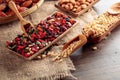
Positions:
{"x": 46, "y": 31}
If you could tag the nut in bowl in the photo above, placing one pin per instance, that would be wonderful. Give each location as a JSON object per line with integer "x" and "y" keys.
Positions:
{"x": 101, "y": 27}
{"x": 25, "y": 7}
{"x": 75, "y": 7}
{"x": 115, "y": 8}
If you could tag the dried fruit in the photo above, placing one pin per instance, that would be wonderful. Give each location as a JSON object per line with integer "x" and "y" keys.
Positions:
{"x": 45, "y": 32}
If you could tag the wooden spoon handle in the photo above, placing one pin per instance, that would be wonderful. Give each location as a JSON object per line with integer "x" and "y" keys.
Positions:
{"x": 74, "y": 44}
{"x": 12, "y": 6}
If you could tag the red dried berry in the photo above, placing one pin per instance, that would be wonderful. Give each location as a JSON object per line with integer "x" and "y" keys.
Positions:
{"x": 72, "y": 21}
{"x": 17, "y": 39}
{"x": 34, "y": 48}
{"x": 2, "y": 14}
{"x": 27, "y": 55}
{"x": 63, "y": 21}
{"x": 8, "y": 43}
{"x": 20, "y": 47}
{"x": 42, "y": 34}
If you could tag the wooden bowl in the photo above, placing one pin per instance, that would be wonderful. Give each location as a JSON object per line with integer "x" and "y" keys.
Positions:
{"x": 54, "y": 41}
{"x": 8, "y": 19}
{"x": 75, "y": 14}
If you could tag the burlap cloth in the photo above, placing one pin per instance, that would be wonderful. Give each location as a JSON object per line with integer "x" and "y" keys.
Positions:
{"x": 14, "y": 68}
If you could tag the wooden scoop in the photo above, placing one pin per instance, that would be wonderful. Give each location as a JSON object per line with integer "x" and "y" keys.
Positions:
{"x": 115, "y": 8}
{"x": 24, "y": 23}
{"x": 80, "y": 40}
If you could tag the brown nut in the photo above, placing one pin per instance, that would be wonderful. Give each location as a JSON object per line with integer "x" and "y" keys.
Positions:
{"x": 83, "y": 6}
{"x": 2, "y": 6}
{"x": 87, "y": 3}
{"x": 67, "y": 7}
{"x": 83, "y": 1}
{"x": 63, "y": 5}
{"x": 61, "y": 2}
{"x": 70, "y": 5}
{"x": 64, "y": 1}
{"x": 74, "y": 9}
{"x": 75, "y": 6}
{"x": 79, "y": 9}
{"x": 72, "y": 1}
{"x": 27, "y": 3}
{"x": 78, "y": 3}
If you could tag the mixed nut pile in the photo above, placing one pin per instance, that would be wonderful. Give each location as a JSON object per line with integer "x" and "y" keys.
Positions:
{"x": 45, "y": 32}
{"x": 101, "y": 25}
{"x": 75, "y": 5}
{"x": 21, "y": 5}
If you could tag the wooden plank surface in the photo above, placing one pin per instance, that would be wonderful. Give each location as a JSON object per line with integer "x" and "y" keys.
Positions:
{"x": 102, "y": 64}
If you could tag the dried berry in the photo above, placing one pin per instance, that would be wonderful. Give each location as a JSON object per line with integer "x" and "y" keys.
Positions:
{"x": 45, "y": 32}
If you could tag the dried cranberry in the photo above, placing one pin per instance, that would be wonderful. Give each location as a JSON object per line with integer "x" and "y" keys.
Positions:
{"x": 17, "y": 39}
{"x": 34, "y": 48}
{"x": 39, "y": 28}
{"x": 20, "y": 47}
{"x": 46, "y": 31}
{"x": 63, "y": 21}
{"x": 8, "y": 43}
{"x": 72, "y": 21}
{"x": 42, "y": 34}
{"x": 27, "y": 55}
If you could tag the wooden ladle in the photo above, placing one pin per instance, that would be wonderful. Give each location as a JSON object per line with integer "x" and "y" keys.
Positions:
{"x": 82, "y": 40}
{"x": 115, "y": 8}
{"x": 24, "y": 23}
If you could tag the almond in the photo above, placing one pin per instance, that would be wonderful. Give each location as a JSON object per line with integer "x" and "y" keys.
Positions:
{"x": 27, "y": 3}
{"x": 79, "y": 9}
{"x": 67, "y": 7}
{"x": 83, "y": 6}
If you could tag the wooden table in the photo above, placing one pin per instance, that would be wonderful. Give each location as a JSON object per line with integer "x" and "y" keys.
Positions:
{"x": 103, "y": 63}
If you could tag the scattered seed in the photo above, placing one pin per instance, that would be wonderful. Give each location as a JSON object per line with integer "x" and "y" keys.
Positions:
{"x": 94, "y": 48}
